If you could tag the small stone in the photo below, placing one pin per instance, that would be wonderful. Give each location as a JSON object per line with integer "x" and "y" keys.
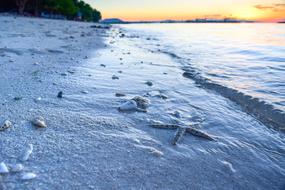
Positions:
{"x": 39, "y": 122}
{"x": 28, "y": 176}
{"x": 7, "y": 124}
{"x": 114, "y": 77}
{"x": 130, "y": 105}
{"x": 142, "y": 102}
{"x": 120, "y": 94}
{"x": 84, "y": 92}
{"x": 149, "y": 83}
{"x": 102, "y": 65}
{"x": 60, "y": 94}
{"x": 17, "y": 98}
{"x": 63, "y": 74}
{"x": 3, "y": 168}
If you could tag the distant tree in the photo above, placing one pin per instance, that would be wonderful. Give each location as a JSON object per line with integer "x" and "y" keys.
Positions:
{"x": 87, "y": 12}
{"x": 65, "y": 7}
{"x": 21, "y": 4}
{"x": 96, "y": 15}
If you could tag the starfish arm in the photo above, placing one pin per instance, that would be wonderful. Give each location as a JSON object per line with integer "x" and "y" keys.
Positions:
{"x": 164, "y": 126}
{"x": 199, "y": 133}
{"x": 178, "y": 135}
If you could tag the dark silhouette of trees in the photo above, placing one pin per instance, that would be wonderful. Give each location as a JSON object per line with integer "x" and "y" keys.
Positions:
{"x": 71, "y": 9}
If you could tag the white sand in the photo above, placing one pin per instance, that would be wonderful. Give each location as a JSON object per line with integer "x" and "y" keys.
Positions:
{"x": 88, "y": 144}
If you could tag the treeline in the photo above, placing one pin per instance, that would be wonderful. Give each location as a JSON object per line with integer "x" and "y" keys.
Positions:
{"x": 70, "y": 9}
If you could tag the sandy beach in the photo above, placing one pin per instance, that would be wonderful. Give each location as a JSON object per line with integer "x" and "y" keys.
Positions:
{"x": 90, "y": 144}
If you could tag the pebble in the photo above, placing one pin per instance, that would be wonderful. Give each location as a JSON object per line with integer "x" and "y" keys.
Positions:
{"x": 84, "y": 92}
{"x": 149, "y": 83}
{"x": 39, "y": 122}
{"x": 3, "y": 168}
{"x": 60, "y": 94}
{"x": 142, "y": 102}
{"x": 114, "y": 77}
{"x": 120, "y": 94}
{"x": 28, "y": 176}
{"x": 18, "y": 98}
{"x": 7, "y": 124}
{"x": 102, "y": 65}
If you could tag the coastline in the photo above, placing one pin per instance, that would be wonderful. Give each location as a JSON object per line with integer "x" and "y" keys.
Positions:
{"x": 89, "y": 144}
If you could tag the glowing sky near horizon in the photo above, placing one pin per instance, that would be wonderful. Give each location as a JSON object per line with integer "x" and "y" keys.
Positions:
{"x": 130, "y": 10}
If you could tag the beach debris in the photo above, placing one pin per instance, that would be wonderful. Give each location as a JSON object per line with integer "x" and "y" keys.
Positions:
{"x": 3, "y": 168}
{"x": 17, "y": 168}
{"x": 39, "y": 122}
{"x": 178, "y": 135}
{"x": 180, "y": 131}
{"x": 28, "y": 152}
{"x": 142, "y": 102}
{"x": 7, "y": 124}
{"x": 149, "y": 83}
{"x": 60, "y": 94}
{"x": 114, "y": 77}
{"x": 118, "y": 94}
{"x": 28, "y": 176}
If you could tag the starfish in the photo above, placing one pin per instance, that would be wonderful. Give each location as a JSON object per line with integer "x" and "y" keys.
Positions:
{"x": 181, "y": 130}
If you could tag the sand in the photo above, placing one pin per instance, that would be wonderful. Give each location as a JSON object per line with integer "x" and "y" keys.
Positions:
{"x": 89, "y": 144}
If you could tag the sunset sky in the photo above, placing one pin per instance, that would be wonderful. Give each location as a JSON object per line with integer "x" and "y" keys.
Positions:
{"x": 130, "y": 10}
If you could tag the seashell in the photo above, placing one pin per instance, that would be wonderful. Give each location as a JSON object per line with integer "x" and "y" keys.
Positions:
{"x": 29, "y": 176}
{"x": 39, "y": 122}
{"x": 142, "y": 102}
{"x": 3, "y": 168}
{"x": 17, "y": 168}
{"x": 7, "y": 124}
{"x": 156, "y": 152}
{"x": 28, "y": 152}
{"x": 130, "y": 105}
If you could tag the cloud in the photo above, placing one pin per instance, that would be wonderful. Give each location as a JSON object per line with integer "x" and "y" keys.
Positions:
{"x": 263, "y": 7}
{"x": 273, "y": 7}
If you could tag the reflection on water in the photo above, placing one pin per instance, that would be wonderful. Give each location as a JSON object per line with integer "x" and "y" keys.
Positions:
{"x": 246, "y": 57}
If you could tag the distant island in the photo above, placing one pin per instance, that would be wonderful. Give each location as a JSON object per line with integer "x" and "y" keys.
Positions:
{"x": 198, "y": 20}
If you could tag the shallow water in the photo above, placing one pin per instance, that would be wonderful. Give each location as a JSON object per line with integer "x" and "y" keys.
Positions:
{"x": 247, "y": 57}
{"x": 247, "y": 154}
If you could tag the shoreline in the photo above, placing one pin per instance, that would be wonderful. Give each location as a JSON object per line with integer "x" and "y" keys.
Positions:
{"x": 90, "y": 144}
